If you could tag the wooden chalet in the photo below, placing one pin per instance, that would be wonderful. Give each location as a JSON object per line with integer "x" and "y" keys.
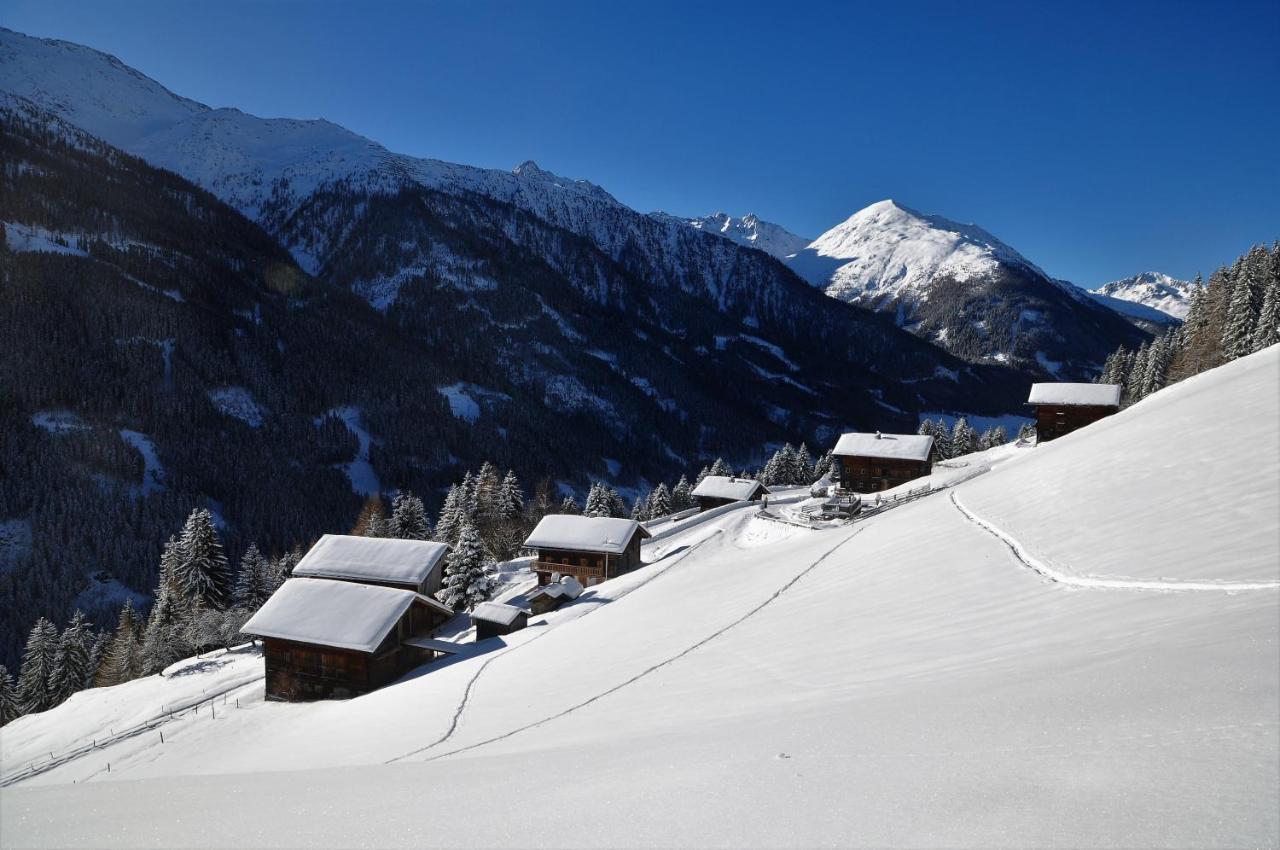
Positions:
{"x": 591, "y": 549}
{"x": 416, "y": 565}
{"x": 867, "y": 463}
{"x": 554, "y": 594}
{"x": 1063, "y": 408}
{"x": 717, "y": 490}
{"x": 494, "y": 619}
{"x": 326, "y": 639}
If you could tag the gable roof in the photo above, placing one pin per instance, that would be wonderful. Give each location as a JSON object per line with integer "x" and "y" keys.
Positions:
{"x": 497, "y": 612}
{"x": 728, "y": 487}
{"x": 1100, "y": 395}
{"x": 334, "y": 613}
{"x": 584, "y": 533}
{"x": 887, "y": 446}
{"x": 371, "y": 559}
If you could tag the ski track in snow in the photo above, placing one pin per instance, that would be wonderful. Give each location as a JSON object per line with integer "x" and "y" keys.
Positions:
{"x": 656, "y": 667}
{"x": 1031, "y": 562}
{"x": 466, "y": 693}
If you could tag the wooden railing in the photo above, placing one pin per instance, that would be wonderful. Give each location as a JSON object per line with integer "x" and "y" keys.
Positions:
{"x": 568, "y": 569}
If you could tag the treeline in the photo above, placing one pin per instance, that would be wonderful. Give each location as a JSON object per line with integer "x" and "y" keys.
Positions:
{"x": 963, "y": 438}
{"x": 1236, "y": 313}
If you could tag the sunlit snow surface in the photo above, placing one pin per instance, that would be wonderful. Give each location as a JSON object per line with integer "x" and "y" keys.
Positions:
{"x": 904, "y": 681}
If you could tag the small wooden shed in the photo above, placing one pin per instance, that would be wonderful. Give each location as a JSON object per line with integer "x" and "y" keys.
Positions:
{"x": 416, "y": 565}
{"x": 493, "y": 619}
{"x": 1063, "y": 408}
{"x": 867, "y": 463}
{"x": 591, "y": 549}
{"x": 557, "y": 592}
{"x": 716, "y": 490}
{"x": 335, "y": 639}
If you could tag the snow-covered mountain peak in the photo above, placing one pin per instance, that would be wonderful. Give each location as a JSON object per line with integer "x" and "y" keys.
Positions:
{"x": 1152, "y": 289}
{"x": 752, "y": 231}
{"x": 887, "y": 249}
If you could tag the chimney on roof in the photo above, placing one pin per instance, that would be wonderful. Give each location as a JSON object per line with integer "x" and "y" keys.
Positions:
{"x": 877, "y": 435}
{"x": 733, "y": 476}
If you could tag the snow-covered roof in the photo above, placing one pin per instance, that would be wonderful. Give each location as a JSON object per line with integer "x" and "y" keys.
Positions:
{"x": 584, "y": 533}
{"x": 728, "y": 487}
{"x": 333, "y": 613}
{"x": 497, "y": 612}
{"x": 1105, "y": 395}
{"x": 568, "y": 587}
{"x": 888, "y": 446}
{"x": 371, "y": 559}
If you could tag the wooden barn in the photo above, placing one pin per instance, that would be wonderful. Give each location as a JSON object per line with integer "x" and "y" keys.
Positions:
{"x": 328, "y": 639}
{"x": 867, "y": 463}
{"x": 591, "y": 549}
{"x": 556, "y": 592}
{"x": 716, "y": 490}
{"x": 1063, "y": 408}
{"x": 416, "y": 565}
{"x": 494, "y": 619}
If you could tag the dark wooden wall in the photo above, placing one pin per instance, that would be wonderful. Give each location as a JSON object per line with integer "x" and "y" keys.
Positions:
{"x": 1056, "y": 420}
{"x": 873, "y": 474}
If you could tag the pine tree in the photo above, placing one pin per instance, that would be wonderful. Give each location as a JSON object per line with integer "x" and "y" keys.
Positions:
{"x": 926, "y": 428}
{"x": 640, "y": 510}
{"x": 467, "y": 578}
{"x": 1267, "y": 331}
{"x": 703, "y": 473}
{"x": 203, "y": 574}
{"x": 409, "y": 518}
{"x": 468, "y": 503}
{"x": 35, "y": 678}
{"x": 720, "y": 468}
{"x": 964, "y": 440}
{"x": 1026, "y": 432}
{"x": 617, "y": 507}
{"x": 164, "y": 640}
{"x": 8, "y": 697}
{"x": 999, "y": 436}
{"x": 569, "y": 505}
{"x": 597, "y": 501}
{"x": 372, "y": 521}
{"x": 487, "y": 488}
{"x": 252, "y": 580}
{"x": 823, "y": 466}
{"x": 451, "y": 515}
{"x": 942, "y": 440}
{"x": 681, "y": 495}
{"x": 1243, "y": 308}
{"x": 660, "y": 502}
{"x": 804, "y": 465}
{"x": 122, "y": 661}
{"x": 510, "y": 498}
{"x": 71, "y": 665}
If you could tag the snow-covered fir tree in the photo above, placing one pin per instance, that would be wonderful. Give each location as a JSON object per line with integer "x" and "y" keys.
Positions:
{"x": 8, "y": 697}
{"x": 720, "y": 468}
{"x": 468, "y": 580}
{"x": 164, "y": 640}
{"x": 409, "y": 518}
{"x": 35, "y": 677}
{"x": 72, "y": 670}
{"x": 373, "y": 520}
{"x": 1267, "y": 331}
{"x": 942, "y": 440}
{"x": 203, "y": 573}
{"x": 640, "y": 510}
{"x": 823, "y": 466}
{"x": 1026, "y": 432}
{"x": 659, "y": 502}
{"x": 804, "y": 465}
{"x": 510, "y": 498}
{"x": 253, "y": 580}
{"x": 122, "y": 660}
{"x": 597, "y": 501}
{"x": 681, "y": 495}
{"x": 451, "y": 515}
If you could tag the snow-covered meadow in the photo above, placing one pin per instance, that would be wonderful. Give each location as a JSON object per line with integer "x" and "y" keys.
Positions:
{"x": 906, "y": 680}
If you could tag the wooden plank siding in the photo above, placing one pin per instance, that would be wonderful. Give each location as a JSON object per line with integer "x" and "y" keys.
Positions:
{"x": 873, "y": 474}
{"x": 1058, "y": 420}
{"x": 587, "y": 567}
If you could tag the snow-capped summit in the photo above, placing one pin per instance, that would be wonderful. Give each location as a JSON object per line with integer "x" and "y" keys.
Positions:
{"x": 961, "y": 287}
{"x": 752, "y": 231}
{"x": 888, "y": 251}
{"x": 1153, "y": 289}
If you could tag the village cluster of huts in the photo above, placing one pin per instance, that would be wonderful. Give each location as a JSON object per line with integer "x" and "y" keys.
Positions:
{"x": 359, "y": 612}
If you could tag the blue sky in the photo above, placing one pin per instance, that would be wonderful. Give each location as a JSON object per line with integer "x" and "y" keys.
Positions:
{"x": 1098, "y": 139}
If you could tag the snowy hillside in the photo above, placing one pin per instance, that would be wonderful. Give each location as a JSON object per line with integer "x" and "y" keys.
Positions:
{"x": 1151, "y": 289}
{"x": 750, "y": 230}
{"x": 888, "y": 251}
{"x": 1071, "y": 645}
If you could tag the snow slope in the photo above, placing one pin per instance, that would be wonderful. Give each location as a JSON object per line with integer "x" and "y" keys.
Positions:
{"x": 750, "y": 230}
{"x": 908, "y": 680}
{"x": 1151, "y": 289}
{"x": 888, "y": 250}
